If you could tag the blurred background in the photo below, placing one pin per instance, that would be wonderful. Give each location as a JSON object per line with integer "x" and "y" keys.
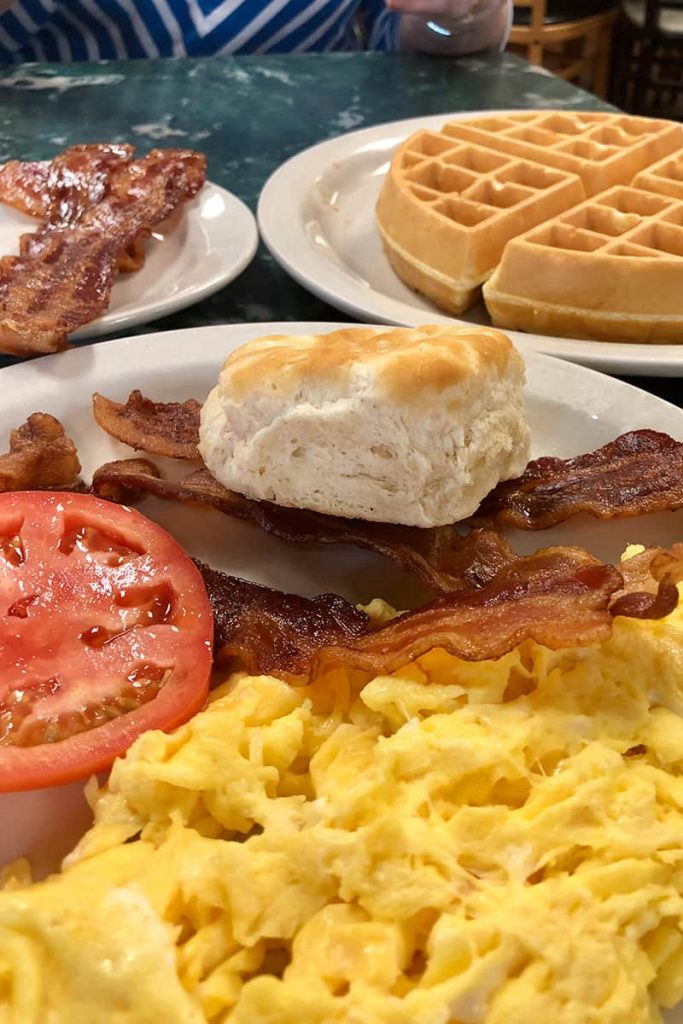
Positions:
{"x": 628, "y": 52}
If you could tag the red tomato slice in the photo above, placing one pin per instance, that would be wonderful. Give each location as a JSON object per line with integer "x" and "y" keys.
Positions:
{"x": 105, "y": 632}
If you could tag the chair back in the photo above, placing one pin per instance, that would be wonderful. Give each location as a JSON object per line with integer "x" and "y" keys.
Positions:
{"x": 653, "y": 10}
{"x": 538, "y": 13}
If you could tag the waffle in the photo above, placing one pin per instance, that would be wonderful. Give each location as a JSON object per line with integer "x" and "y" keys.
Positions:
{"x": 454, "y": 200}
{"x": 665, "y": 177}
{"x": 610, "y": 269}
{"x": 447, "y": 209}
{"x": 603, "y": 149}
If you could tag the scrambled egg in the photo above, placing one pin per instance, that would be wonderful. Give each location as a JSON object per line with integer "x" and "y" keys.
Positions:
{"x": 494, "y": 843}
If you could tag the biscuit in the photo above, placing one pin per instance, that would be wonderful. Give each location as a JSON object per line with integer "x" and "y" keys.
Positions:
{"x": 385, "y": 424}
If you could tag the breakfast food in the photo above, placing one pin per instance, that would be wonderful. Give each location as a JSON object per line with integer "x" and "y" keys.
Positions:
{"x": 40, "y": 456}
{"x": 170, "y": 429}
{"x": 63, "y": 275}
{"x": 665, "y": 177}
{"x": 466, "y": 811}
{"x": 440, "y": 557}
{"x": 557, "y": 596}
{"x": 496, "y": 843}
{"x": 398, "y": 426}
{"x": 61, "y": 189}
{"x": 603, "y": 149}
{"x": 264, "y": 630}
{"x": 447, "y": 208}
{"x": 610, "y": 269}
{"x": 105, "y": 631}
{"x": 636, "y": 474}
{"x": 455, "y": 202}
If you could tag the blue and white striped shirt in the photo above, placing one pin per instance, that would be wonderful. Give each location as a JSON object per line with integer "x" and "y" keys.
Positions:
{"x": 68, "y": 30}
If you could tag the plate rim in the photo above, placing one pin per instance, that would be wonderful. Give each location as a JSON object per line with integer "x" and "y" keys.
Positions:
{"x": 284, "y": 235}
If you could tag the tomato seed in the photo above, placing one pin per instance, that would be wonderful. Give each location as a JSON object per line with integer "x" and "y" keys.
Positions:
{"x": 91, "y": 541}
{"x": 12, "y": 550}
{"x": 147, "y": 673}
{"x": 20, "y": 608}
{"x": 98, "y": 636}
{"x": 156, "y": 604}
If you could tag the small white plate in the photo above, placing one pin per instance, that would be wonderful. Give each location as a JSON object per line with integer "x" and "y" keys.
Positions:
{"x": 570, "y": 410}
{"x": 198, "y": 250}
{"x": 316, "y": 214}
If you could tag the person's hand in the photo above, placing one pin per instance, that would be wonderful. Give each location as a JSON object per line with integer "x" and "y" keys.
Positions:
{"x": 448, "y": 9}
{"x": 452, "y": 26}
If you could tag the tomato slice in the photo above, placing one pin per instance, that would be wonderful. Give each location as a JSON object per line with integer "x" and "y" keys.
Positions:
{"x": 105, "y": 631}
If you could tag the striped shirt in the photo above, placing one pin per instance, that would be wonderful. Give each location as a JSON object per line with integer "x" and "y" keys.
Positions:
{"x": 71, "y": 30}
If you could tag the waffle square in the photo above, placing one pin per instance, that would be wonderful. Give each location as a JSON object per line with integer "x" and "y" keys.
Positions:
{"x": 458, "y": 201}
{"x": 665, "y": 177}
{"x": 448, "y": 208}
{"x": 610, "y": 269}
{"x": 603, "y": 149}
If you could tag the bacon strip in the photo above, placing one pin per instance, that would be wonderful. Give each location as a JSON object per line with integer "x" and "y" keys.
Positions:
{"x": 170, "y": 429}
{"x": 269, "y": 631}
{"x": 440, "y": 558}
{"x": 45, "y": 295}
{"x": 40, "y": 457}
{"x": 645, "y": 605}
{"x": 558, "y": 597}
{"x": 24, "y": 186}
{"x": 638, "y": 473}
{"x": 645, "y": 570}
{"x": 650, "y": 583}
{"x": 61, "y": 189}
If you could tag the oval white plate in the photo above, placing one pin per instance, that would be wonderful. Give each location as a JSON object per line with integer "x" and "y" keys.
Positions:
{"x": 571, "y": 409}
{"x": 316, "y": 214}
{"x": 206, "y": 244}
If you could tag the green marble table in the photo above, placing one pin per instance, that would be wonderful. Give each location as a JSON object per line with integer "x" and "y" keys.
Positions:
{"x": 248, "y": 114}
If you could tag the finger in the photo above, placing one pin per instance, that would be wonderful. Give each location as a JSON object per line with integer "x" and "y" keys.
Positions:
{"x": 433, "y": 8}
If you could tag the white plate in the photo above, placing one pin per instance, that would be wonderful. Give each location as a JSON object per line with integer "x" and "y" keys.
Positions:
{"x": 316, "y": 214}
{"x": 571, "y": 409}
{"x": 206, "y": 244}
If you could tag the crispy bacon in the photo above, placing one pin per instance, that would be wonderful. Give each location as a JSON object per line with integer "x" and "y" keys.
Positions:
{"x": 645, "y": 570}
{"x": 24, "y": 186}
{"x": 128, "y": 259}
{"x": 61, "y": 189}
{"x": 40, "y": 456}
{"x": 132, "y": 258}
{"x": 558, "y": 597}
{"x": 645, "y": 605}
{"x": 440, "y": 558}
{"x": 650, "y": 579}
{"x": 268, "y": 631}
{"x": 170, "y": 429}
{"x": 638, "y": 473}
{"x": 45, "y": 295}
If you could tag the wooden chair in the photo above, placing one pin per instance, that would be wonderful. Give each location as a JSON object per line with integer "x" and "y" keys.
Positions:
{"x": 571, "y": 39}
{"x": 648, "y": 68}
